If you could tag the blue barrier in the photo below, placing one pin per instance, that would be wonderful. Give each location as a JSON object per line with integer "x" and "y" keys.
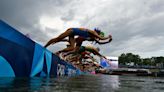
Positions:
{"x": 22, "y": 57}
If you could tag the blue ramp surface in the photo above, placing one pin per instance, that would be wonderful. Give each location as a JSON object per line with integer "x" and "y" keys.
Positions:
{"x": 22, "y": 57}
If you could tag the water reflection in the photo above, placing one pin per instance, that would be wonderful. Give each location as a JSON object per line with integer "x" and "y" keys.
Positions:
{"x": 83, "y": 83}
{"x": 98, "y": 83}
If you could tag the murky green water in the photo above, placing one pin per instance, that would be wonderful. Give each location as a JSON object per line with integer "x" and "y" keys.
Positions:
{"x": 83, "y": 83}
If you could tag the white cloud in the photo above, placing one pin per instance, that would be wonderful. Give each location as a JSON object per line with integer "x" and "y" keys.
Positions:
{"x": 57, "y": 24}
{"x": 48, "y": 22}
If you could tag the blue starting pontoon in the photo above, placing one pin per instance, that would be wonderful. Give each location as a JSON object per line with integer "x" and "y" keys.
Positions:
{"x": 22, "y": 57}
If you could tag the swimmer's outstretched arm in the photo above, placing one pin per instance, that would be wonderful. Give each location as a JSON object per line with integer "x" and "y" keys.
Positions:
{"x": 98, "y": 54}
{"x": 98, "y": 36}
{"x": 103, "y": 42}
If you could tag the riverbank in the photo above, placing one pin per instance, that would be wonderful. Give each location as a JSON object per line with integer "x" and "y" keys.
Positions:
{"x": 131, "y": 71}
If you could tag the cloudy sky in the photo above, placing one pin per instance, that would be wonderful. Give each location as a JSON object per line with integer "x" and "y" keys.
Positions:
{"x": 137, "y": 26}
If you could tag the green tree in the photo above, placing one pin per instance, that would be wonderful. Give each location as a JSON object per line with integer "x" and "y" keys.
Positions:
{"x": 137, "y": 60}
{"x": 129, "y": 58}
{"x": 122, "y": 59}
{"x": 146, "y": 61}
{"x": 159, "y": 59}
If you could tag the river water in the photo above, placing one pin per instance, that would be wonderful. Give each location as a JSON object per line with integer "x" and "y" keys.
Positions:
{"x": 83, "y": 83}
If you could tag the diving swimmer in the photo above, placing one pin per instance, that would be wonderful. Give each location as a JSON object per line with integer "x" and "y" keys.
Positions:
{"x": 87, "y": 34}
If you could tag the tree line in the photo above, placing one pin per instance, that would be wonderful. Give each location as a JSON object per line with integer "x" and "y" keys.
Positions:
{"x": 130, "y": 58}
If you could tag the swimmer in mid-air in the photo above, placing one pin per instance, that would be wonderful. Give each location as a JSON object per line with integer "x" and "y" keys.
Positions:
{"x": 84, "y": 53}
{"x": 86, "y": 34}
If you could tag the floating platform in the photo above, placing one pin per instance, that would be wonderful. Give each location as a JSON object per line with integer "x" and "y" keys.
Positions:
{"x": 22, "y": 57}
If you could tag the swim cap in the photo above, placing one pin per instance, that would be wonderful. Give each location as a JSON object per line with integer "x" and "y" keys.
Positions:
{"x": 97, "y": 30}
{"x": 102, "y": 34}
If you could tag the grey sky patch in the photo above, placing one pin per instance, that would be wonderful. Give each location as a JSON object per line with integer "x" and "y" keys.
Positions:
{"x": 68, "y": 16}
